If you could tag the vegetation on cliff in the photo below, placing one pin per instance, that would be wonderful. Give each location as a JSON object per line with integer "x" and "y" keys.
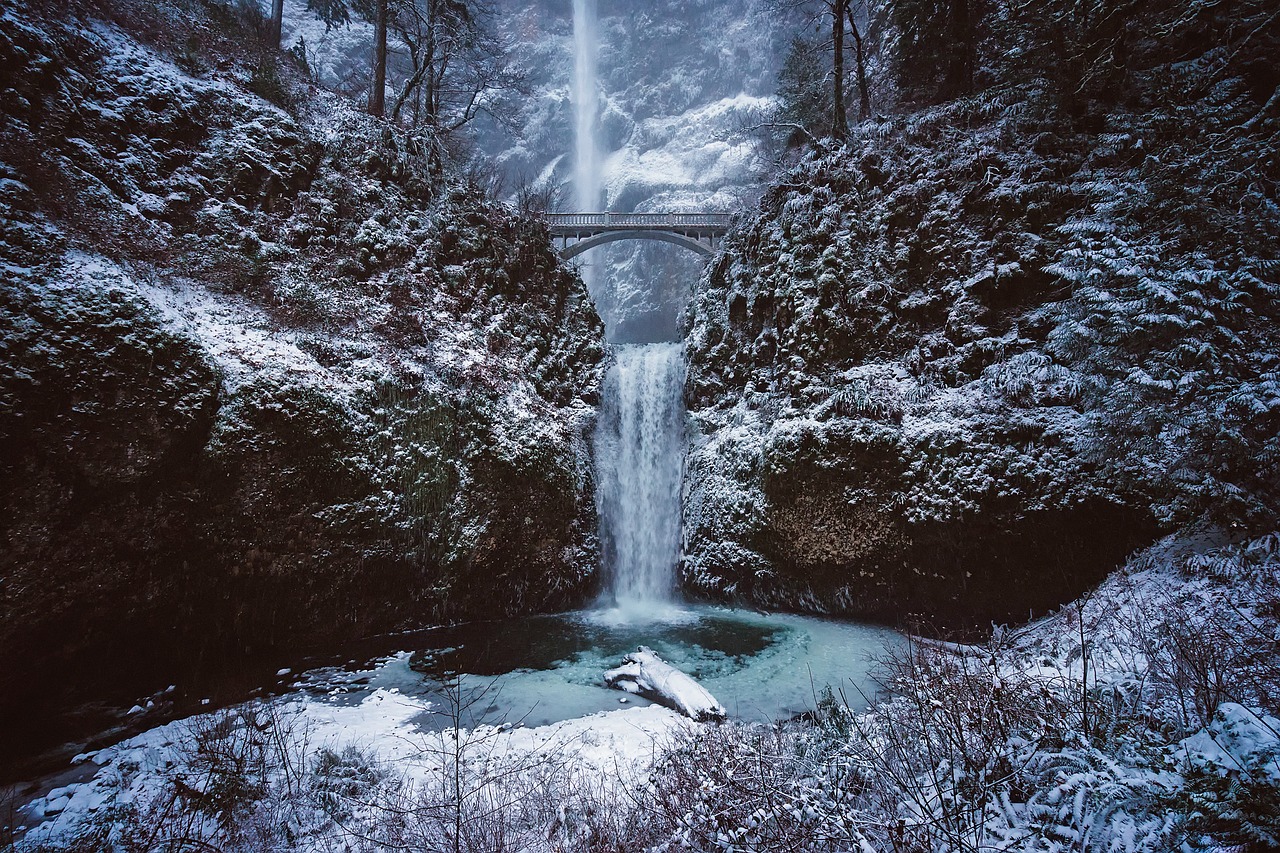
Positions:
{"x": 266, "y": 380}
{"x": 966, "y": 360}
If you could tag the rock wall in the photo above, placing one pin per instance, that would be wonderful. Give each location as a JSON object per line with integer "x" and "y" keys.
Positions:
{"x": 263, "y": 385}
{"x": 962, "y": 366}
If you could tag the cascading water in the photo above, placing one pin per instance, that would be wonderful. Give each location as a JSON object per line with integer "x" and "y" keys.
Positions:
{"x": 586, "y": 160}
{"x": 640, "y": 436}
{"x": 640, "y": 461}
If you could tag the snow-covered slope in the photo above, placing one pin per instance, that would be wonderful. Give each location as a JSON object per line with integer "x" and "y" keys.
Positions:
{"x": 262, "y": 383}
{"x": 964, "y": 364}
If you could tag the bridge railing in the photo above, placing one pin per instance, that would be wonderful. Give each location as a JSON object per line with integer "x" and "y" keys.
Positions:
{"x": 638, "y": 220}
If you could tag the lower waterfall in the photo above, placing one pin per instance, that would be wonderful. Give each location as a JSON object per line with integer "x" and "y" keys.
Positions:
{"x": 640, "y": 461}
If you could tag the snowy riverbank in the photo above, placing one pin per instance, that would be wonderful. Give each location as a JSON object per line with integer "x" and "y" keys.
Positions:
{"x": 343, "y": 774}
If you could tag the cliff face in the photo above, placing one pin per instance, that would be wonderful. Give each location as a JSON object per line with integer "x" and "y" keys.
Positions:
{"x": 964, "y": 364}
{"x": 261, "y": 385}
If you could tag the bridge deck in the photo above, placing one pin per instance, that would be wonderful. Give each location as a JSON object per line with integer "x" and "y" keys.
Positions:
{"x": 572, "y": 224}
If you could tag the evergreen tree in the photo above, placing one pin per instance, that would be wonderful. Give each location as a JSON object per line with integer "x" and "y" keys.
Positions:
{"x": 802, "y": 91}
{"x": 936, "y": 56}
{"x": 833, "y": 15}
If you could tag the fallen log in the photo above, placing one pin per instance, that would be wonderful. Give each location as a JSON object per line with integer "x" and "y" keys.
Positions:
{"x": 645, "y": 674}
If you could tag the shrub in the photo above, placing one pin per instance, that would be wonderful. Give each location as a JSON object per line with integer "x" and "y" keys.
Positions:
{"x": 338, "y": 778}
{"x": 266, "y": 82}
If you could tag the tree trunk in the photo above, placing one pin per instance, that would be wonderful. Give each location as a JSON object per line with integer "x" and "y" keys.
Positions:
{"x": 839, "y": 122}
{"x": 860, "y": 57}
{"x": 960, "y": 70}
{"x": 429, "y": 63}
{"x": 277, "y": 22}
{"x": 411, "y": 86}
{"x": 431, "y": 91}
{"x": 378, "y": 94}
{"x": 645, "y": 674}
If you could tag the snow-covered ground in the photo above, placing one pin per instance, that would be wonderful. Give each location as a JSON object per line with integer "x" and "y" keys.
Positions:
{"x": 539, "y": 712}
{"x": 615, "y": 748}
{"x": 1141, "y": 717}
{"x": 1091, "y": 725}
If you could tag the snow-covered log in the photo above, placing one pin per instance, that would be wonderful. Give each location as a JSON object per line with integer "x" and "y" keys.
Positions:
{"x": 645, "y": 674}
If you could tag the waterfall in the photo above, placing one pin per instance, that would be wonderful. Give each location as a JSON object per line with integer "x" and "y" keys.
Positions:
{"x": 586, "y": 108}
{"x": 639, "y": 443}
{"x": 640, "y": 461}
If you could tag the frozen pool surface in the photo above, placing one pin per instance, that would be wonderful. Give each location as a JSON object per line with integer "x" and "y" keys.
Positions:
{"x": 545, "y": 669}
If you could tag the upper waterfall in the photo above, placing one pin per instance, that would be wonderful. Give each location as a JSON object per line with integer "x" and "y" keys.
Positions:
{"x": 639, "y": 444}
{"x": 586, "y": 107}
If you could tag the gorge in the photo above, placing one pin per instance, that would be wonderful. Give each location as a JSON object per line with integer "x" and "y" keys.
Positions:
{"x": 330, "y": 488}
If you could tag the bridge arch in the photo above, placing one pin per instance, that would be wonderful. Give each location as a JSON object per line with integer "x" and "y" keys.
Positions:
{"x": 578, "y": 232}
{"x": 575, "y": 249}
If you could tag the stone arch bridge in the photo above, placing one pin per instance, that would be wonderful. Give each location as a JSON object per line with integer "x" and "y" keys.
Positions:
{"x": 576, "y": 232}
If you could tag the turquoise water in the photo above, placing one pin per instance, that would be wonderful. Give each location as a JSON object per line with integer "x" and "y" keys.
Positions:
{"x": 544, "y": 669}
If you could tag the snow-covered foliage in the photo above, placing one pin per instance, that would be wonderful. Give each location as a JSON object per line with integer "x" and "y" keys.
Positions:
{"x": 249, "y": 348}
{"x": 990, "y": 343}
{"x": 1061, "y": 735}
{"x": 317, "y": 776}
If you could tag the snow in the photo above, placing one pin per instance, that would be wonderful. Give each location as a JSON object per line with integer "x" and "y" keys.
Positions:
{"x": 617, "y": 745}
{"x": 644, "y": 673}
{"x": 691, "y": 153}
{"x": 241, "y": 338}
{"x": 1238, "y": 740}
{"x": 384, "y": 722}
